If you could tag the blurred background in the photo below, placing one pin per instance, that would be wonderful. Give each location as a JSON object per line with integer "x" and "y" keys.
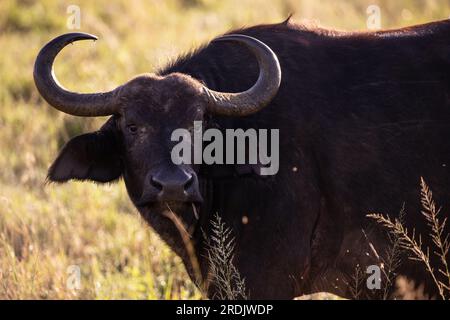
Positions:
{"x": 82, "y": 240}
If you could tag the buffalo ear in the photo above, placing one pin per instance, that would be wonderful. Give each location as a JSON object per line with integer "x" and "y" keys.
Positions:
{"x": 92, "y": 156}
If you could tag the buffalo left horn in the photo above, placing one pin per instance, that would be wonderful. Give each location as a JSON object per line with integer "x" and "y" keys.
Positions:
{"x": 262, "y": 92}
{"x": 77, "y": 104}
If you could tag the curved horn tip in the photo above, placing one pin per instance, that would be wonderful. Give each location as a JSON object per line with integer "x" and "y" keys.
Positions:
{"x": 75, "y": 36}
{"x": 234, "y": 36}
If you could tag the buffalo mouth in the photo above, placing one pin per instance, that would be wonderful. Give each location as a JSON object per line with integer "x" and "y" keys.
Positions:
{"x": 173, "y": 205}
{"x": 186, "y": 214}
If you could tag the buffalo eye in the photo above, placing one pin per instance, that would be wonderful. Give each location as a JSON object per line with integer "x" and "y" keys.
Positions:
{"x": 132, "y": 128}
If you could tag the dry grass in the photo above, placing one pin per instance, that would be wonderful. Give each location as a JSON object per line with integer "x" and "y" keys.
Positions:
{"x": 356, "y": 284}
{"x": 392, "y": 260}
{"x": 412, "y": 242}
{"x": 224, "y": 275}
{"x": 44, "y": 229}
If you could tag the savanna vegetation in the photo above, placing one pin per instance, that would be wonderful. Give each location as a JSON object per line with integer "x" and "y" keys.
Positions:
{"x": 48, "y": 231}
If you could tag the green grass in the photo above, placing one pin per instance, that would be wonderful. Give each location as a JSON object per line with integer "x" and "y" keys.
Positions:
{"x": 44, "y": 229}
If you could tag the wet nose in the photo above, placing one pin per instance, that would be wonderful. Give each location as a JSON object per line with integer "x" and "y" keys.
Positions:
{"x": 175, "y": 185}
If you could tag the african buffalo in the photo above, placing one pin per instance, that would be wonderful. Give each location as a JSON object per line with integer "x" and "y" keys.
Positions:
{"x": 361, "y": 117}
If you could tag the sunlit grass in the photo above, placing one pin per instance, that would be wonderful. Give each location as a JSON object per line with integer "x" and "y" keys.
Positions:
{"x": 44, "y": 229}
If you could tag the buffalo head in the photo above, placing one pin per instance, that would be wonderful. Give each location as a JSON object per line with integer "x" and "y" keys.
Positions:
{"x": 135, "y": 142}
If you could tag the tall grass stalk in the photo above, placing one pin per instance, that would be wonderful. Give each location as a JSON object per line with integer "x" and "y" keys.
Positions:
{"x": 225, "y": 276}
{"x": 412, "y": 243}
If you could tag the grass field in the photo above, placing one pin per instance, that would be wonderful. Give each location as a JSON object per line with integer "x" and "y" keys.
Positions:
{"x": 48, "y": 230}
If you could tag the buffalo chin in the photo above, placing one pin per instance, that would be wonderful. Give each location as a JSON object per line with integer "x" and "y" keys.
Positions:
{"x": 182, "y": 214}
